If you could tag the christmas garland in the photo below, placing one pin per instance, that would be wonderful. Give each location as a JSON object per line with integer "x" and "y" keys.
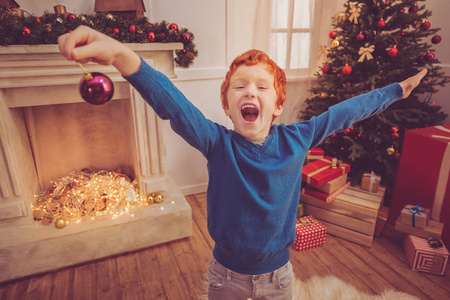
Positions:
{"x": 32, "y": 30}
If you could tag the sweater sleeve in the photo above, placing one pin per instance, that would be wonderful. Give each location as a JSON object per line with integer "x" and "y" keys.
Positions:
{"x": 170, "y": 104}
{"x": 342, "y": 115}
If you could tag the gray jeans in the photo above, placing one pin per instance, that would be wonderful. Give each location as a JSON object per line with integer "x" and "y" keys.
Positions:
{"x": 225, "y": 284}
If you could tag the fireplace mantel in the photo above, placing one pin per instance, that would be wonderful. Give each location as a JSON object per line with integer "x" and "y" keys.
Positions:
{"x": 36, "y": 83}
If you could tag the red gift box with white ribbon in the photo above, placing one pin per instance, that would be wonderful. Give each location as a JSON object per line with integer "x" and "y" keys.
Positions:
{"x": 309, "y": 233}
{"x": 423, "y": 257}
{"x": 323, "y": 170}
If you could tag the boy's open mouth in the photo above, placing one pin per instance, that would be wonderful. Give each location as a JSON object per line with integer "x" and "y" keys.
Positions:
{"x": 249, "y": 112}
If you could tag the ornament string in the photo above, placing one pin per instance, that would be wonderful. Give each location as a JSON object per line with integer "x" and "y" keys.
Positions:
{"x": 87, "y": 74}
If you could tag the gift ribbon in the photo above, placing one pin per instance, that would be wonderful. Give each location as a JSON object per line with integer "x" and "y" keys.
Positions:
{"x": 306, "y": 222}
{"x": 415, "y": 210}
{"x": 442, "y": 178}
{"x": 355, "y": 12}
{"x": 365, "y": 53}
{"x": 373, "y": 177}
{"x": 310, "y": 175}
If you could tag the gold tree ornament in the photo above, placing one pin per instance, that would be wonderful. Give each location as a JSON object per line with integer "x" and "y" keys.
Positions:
{"x": 355, "y": 12}
{"x": 366, "y": 53}
{"x": 339, "y": 18}
{"x": 335, "y": 43}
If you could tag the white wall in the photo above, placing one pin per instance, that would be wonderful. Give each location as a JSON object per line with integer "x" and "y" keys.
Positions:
{"x": 222, "y": 31}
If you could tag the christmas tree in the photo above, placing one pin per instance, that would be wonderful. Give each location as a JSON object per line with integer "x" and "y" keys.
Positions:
{"x": 375, "y": 43}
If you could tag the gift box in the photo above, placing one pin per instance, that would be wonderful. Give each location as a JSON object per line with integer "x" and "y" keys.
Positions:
{"x": 323, "y": 170}
{"x": 415, "y": 216}
{"x": 423, "y": 175}
{"x": 424, "y": 258}
{"x": 382, "y": 218}
{"x": 433, "y": 229}
{"x": 314, "y": 154}
{"x": 333, "y": 185}
{"x": 351, "y": 216}
{"x": 370, "y": 182}
{"x": 309, "y": 233}
{"x": 324, "y": 196}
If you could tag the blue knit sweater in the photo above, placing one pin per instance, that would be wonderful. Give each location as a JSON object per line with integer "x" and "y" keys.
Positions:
{"x": 253, "y": 191}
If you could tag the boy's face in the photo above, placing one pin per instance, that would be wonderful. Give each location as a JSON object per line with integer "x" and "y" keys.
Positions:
{"x": 252, "y": 101}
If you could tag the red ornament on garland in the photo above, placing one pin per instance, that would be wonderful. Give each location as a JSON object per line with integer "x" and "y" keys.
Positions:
{"x": 38, "y": 20}
{"x": 360, "y": 37}
{"x": 151, "y": 36}
{"x": 347, "y": 70}
{"x": 425, "y": 25}
{"x": 332, "y": 34}
{"x": 394, "y": 135}
{"x": 381, "y": 24}
{"x": 393, "y": 51}
{"x": 436, "y": 39}
{"x": 325, "y": 69}
{"x": 186, "y": 37}
{"x": 96, "y": 88}
{"x": 26, "y": 31}
{"x": 116, "y": 30}
{"x": 71, "y": 17}
{"x": 173, "y": 26}
{"x": 132, "y": 28}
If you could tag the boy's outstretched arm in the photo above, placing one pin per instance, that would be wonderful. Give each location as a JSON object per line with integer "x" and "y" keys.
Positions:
{"x": 85, "y": 44}
{"x": 410, "y": 83}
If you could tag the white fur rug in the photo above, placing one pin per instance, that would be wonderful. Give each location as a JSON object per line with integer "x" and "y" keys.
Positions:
{"x": 331, "y": 288}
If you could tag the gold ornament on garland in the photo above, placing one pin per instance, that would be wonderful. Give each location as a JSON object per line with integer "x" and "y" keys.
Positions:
{"x": 355, "y": 12}
{"x": 365, "y": 53}
{"x": 60, "y": 223}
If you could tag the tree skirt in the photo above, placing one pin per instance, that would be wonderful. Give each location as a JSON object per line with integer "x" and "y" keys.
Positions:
{"x": 330, "y": 288}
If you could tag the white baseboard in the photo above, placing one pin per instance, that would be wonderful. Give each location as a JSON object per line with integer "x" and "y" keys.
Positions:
{"x": 194, "y": 189}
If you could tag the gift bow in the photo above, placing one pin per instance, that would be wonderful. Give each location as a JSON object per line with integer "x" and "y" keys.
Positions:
{"x": 372, "y": 179}
{"x": 335, "y": 163}
{"x": 435, "y": 243}
{"x": 415, "y": 210}
{"x": 366, "y": 53}
{"x": 323, "y": 51}
{"x": 355, "y": 12}
{"x": 306, "y": 222}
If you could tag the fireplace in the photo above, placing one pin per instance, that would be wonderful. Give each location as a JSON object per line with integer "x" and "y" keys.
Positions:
{"x": 48, "y": 131}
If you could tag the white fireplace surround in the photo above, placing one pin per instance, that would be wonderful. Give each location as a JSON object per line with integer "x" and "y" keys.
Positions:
{"x": 47, "y": 131}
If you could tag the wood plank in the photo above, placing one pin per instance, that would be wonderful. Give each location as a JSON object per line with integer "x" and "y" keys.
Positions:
{"x": 150, "y": 275}
{"x": 198, "y": 207}
{"x": 341, "y": 220}
{"x": 347, "y": 234}
{"x": 107, "y": 282}
{"x": 14, "y": 290}
{"x": 305, "y": 264}
{"x": 129, "y": 283}
{"x": 62, "y": 284}
{"x": 40, "y": 287}
{"x": 85, "y": 282}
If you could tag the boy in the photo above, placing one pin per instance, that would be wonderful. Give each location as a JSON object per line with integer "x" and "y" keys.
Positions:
{"x": 254, "y": 170}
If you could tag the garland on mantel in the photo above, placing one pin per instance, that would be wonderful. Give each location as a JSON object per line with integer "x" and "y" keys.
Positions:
{"x": 32, "y": 30}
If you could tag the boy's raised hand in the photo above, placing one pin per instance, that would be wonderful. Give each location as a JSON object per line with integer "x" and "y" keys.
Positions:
{"x": 410, "y": 83}
{"x": 85, "y": 44}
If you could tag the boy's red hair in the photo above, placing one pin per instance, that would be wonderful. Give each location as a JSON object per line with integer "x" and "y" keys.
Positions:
{"x": 250, "y": 58}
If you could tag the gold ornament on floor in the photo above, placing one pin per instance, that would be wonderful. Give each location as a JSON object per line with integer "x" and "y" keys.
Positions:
{"x": 60, "y": 223}
{"x": 159, "y": 198}
{"x": 390, "y": 150}
{"x": 335, "y": 43}
{"x": 339, "y": 18}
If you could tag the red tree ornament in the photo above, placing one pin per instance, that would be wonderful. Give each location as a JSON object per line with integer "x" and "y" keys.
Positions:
{"x": 381, "y": 24}
{"x": 425, "y": 25}
{"x": 347, "y": 70}
{"x": 413, "y": 9}
{"x": 71, "y": 17}
{"x": 393, "y": 51}
{"x": 38, "y": 20}
{"x": 325, "y": 69}
{"x": 96, "y": 88}
{"x": 26, "y": 31}
{"x": 132, "y": 28}
{"x": 360, "y": 37}
{"x": 436, "y": 39}
{"x": 332, "y": 34}
{"x": 429, "y": 56}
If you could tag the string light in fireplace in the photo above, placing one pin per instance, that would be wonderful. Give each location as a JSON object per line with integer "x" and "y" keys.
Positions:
{"x": 86, "y": 195}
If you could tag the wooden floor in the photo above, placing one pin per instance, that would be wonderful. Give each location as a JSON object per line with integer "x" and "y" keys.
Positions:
{"x": 173, "y": 270}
